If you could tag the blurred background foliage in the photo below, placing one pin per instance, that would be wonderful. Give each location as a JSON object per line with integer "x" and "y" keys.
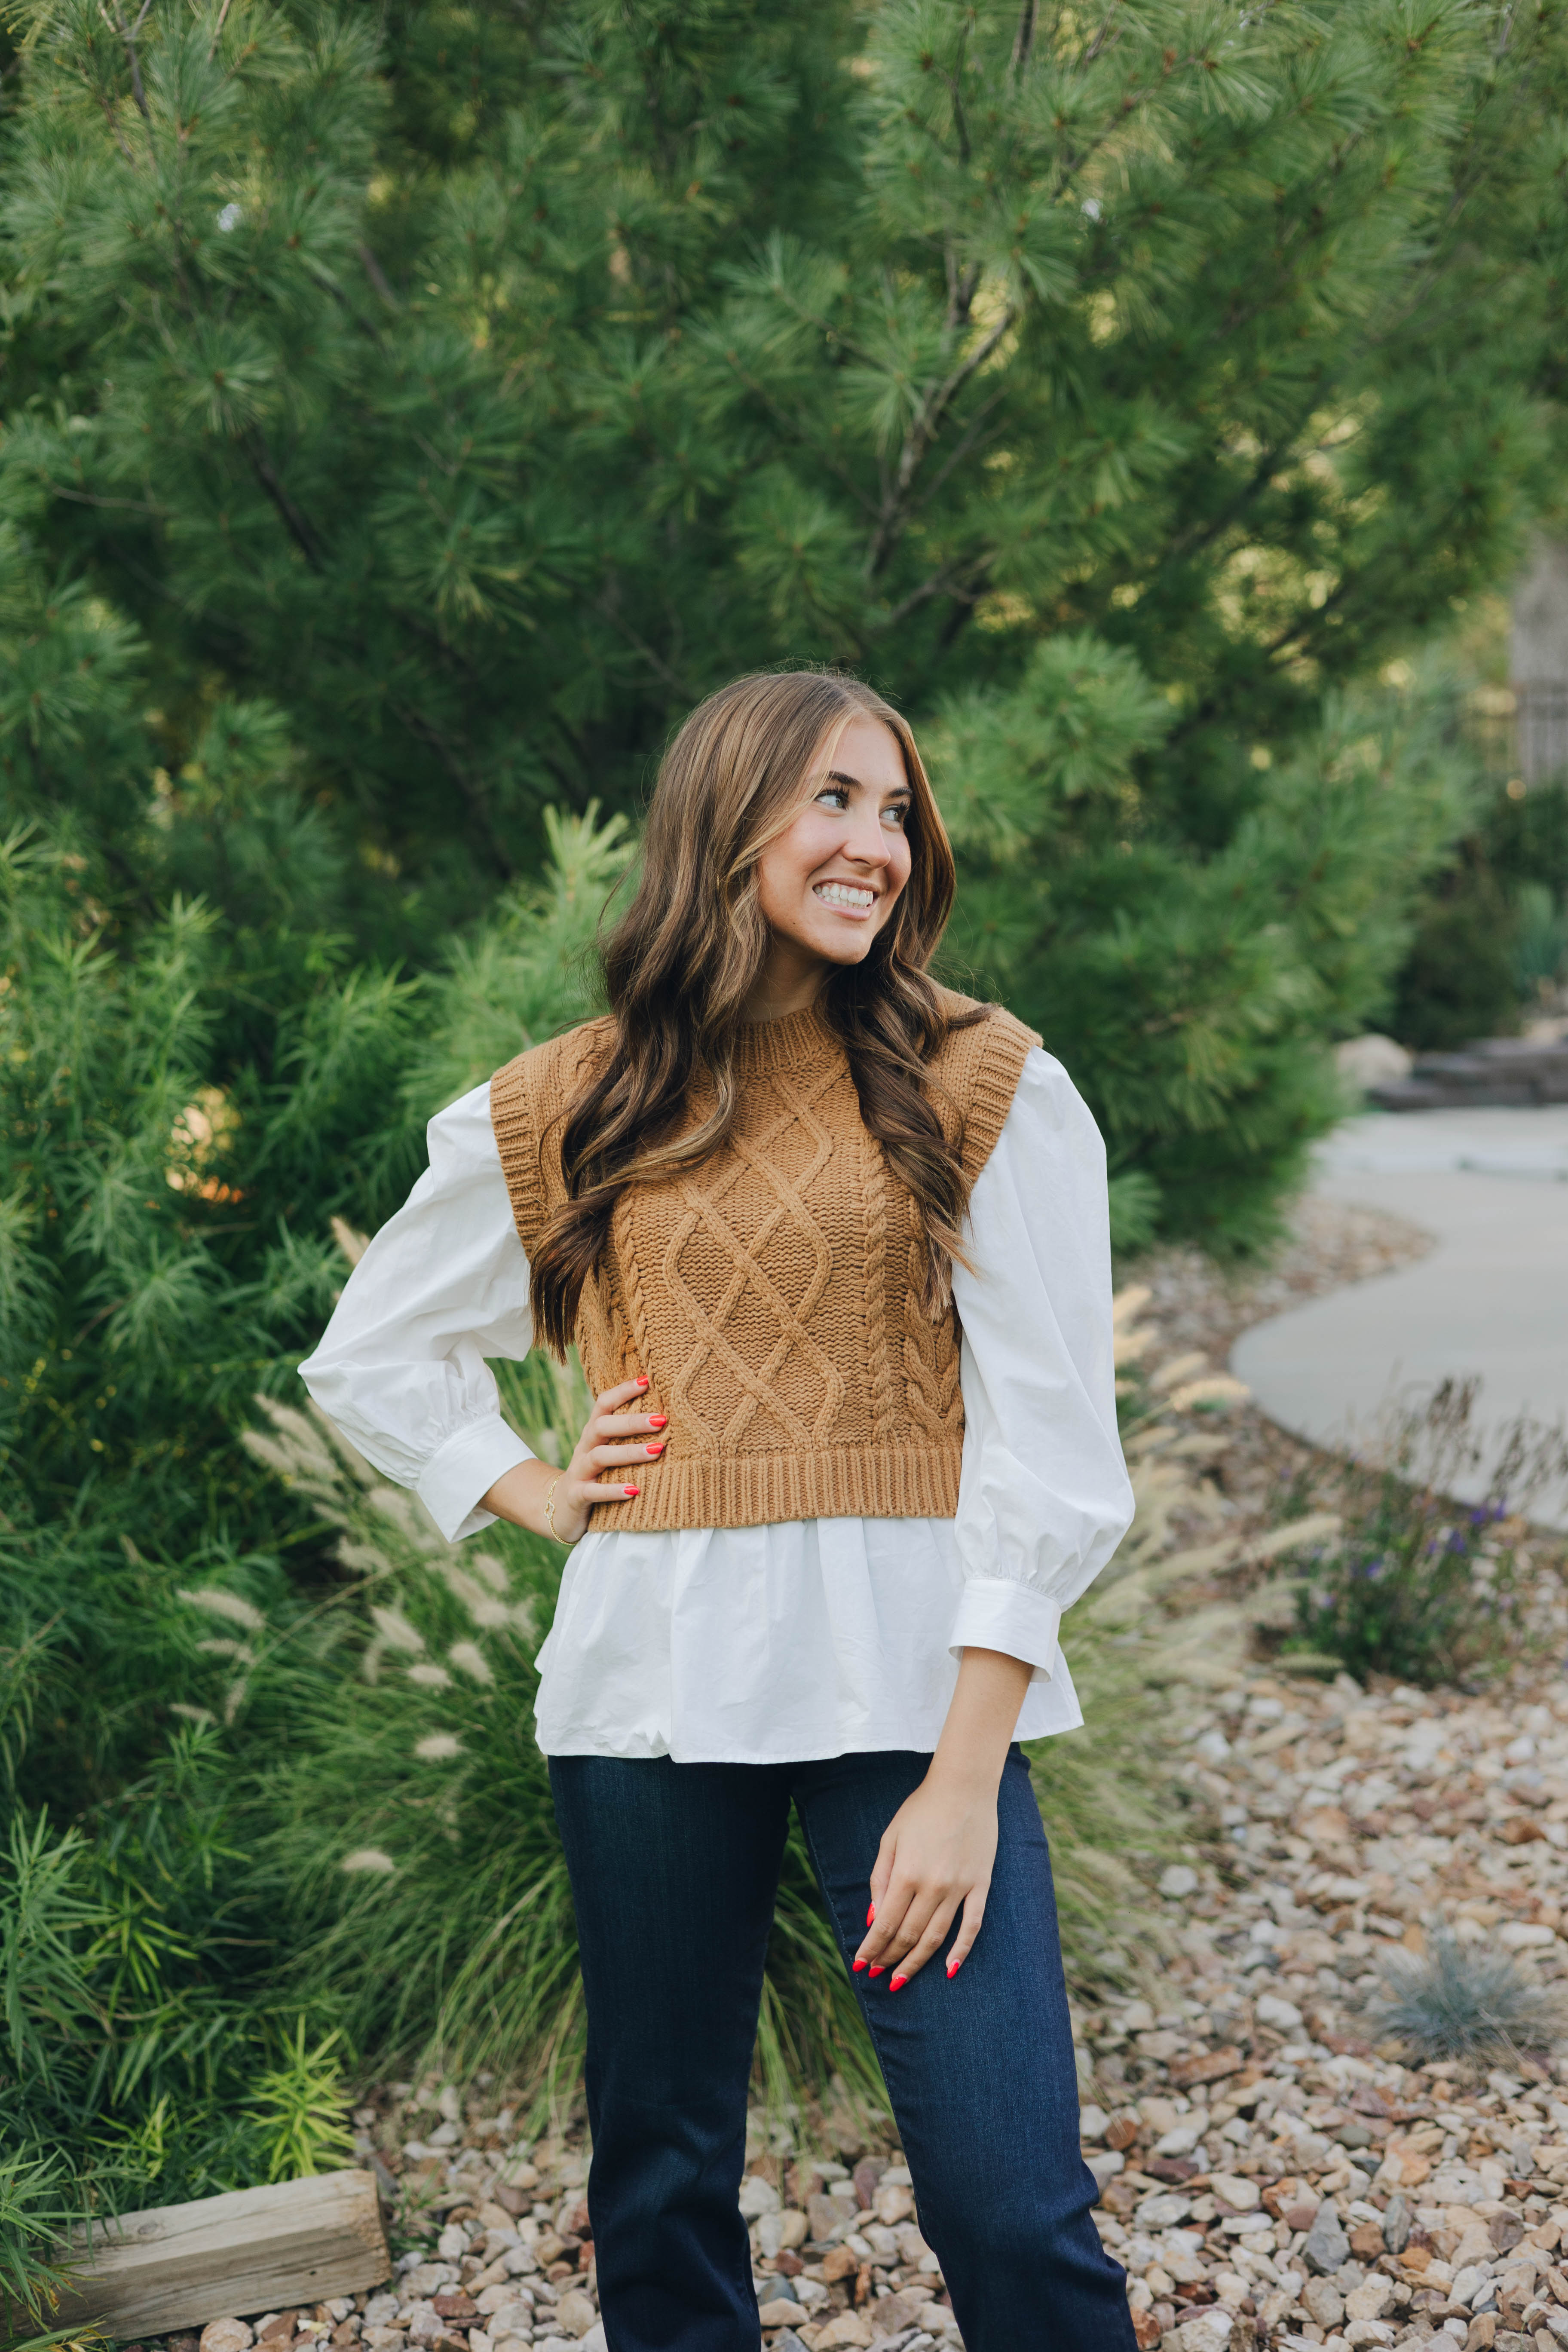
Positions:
{"x": 405, "y": 416}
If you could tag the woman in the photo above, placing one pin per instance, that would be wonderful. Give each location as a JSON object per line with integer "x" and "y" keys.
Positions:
{"x": 832, "y": 1243}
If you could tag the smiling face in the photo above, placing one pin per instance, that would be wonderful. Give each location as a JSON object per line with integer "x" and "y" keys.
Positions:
{"x": 829, "y": 883}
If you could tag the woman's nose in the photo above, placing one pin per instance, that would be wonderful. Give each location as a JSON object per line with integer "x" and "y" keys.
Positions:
{"x": 867, "y": 844}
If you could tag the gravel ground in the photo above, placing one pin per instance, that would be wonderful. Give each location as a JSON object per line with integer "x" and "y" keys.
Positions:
{"x": 1273, "y": 2172}
{"x": 503, "y": 2253}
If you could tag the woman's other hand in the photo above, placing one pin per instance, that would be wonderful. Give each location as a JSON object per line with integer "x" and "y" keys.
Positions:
{"x": 935, "y": 1859}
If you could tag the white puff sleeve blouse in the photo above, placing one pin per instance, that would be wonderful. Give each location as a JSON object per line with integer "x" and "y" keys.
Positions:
{"x": 807, "y": 1638}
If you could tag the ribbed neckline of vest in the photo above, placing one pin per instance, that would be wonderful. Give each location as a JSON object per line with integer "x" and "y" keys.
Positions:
{"x": 796, "y": 1041}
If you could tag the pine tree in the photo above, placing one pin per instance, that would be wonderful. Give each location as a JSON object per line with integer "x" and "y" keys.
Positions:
{"x": 462, "y": 394}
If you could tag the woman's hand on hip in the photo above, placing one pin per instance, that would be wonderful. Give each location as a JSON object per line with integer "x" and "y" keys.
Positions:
{"x": 614, "y": 1438}
{"x": 937, "y": 1853}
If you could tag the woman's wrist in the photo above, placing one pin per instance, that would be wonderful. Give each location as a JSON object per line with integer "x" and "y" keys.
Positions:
{"x": 517, "y": 1495}
{"x": 968, "y": 1771}
{"x": 981, "y": 1719}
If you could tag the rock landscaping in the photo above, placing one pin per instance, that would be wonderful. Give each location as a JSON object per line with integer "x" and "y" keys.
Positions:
{"x": 503, "y": 2251}
{"x": 1274, "y": 2171}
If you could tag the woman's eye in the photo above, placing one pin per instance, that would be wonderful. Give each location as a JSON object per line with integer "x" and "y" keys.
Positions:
{"x": 898, "y": 815}
{"x": 836, "y": 794}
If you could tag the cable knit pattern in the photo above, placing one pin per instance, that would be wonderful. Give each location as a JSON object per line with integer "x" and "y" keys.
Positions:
{"x": 773, "y": 1294}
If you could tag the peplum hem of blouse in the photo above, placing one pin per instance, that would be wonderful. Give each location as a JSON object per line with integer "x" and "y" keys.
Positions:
{"x": 765, "y": 1645}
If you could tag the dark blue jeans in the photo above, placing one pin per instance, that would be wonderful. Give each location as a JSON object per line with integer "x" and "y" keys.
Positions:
{"x": 674, "y": 1871}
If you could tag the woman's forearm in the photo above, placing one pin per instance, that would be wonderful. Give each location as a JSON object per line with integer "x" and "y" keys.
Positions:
{"x": 519, "y": 1494}
{"x": 981, "y": 1719}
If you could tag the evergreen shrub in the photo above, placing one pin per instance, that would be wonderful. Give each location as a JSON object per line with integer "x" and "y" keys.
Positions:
{"x": 1490, "y": 944}
{"x": 408, "y": 416}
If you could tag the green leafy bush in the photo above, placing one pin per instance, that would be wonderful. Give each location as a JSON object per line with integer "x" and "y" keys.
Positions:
{"x": 1413, "y": 1591}
{"x": 1189, "y": 991}
{"x": 1541, "y": 947}
{"x": 161, "y": 1595}
{"x": 1461, "y": 979}
{"x": 1489, "y": 939}
{"x": 146, "y": 2055}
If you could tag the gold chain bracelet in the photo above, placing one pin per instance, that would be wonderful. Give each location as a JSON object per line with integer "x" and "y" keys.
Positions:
{"x": 567, "y": 1542}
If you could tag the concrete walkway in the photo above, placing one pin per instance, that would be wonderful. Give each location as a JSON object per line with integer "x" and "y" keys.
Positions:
{"x": 1490, "y": 1300}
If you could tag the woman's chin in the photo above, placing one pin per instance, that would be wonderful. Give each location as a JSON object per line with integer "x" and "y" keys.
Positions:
{"x": 843, "y": 942}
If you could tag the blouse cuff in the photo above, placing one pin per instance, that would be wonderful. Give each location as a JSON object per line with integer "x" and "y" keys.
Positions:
{"x": 994, "y": 1613}
{"x": 466, "y": 1467}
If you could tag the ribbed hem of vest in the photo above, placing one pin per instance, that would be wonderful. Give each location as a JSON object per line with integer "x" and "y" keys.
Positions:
{"x": 762, "y": 1490}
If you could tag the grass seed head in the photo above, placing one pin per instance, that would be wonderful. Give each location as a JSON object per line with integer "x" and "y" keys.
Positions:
{"x": 367, "y": 1859}
{"x": 365, "y": 1559}
{"x": 223, "y": 1604}
{"x": 482, "y": 1605}
{"x": 392, "y": 1504}
{"x": 471, "y": 1660}
{"x": 395, "y": 1630}
{"x": 295, "y": 1450}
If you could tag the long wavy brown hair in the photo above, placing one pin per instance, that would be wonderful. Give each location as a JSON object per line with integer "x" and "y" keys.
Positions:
{"x": 681, "y": 962}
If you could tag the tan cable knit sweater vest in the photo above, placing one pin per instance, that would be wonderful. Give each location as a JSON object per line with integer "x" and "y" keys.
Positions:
{"x": 772, "y": 1296}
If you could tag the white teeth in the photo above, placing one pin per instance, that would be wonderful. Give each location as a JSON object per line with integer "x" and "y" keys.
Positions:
{"x": 844, "y": 894}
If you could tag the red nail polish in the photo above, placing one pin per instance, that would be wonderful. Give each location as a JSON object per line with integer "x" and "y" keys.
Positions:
{"x": 894, "y": 1983}
{"x": 871, "y": 1917}
{"x": 953, "y": 1967}
{"x": 631, "y": 1492}
{"x": 642, "y": 1379}
{"x": 859, "y": 1965}
{"x": 655, "y": 1451}
{"x": 659, "y": 1420}
{"x": 879, "y": 1968}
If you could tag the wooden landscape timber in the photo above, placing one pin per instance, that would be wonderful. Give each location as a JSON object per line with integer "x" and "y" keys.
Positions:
{"x": 297, "y": 2241}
